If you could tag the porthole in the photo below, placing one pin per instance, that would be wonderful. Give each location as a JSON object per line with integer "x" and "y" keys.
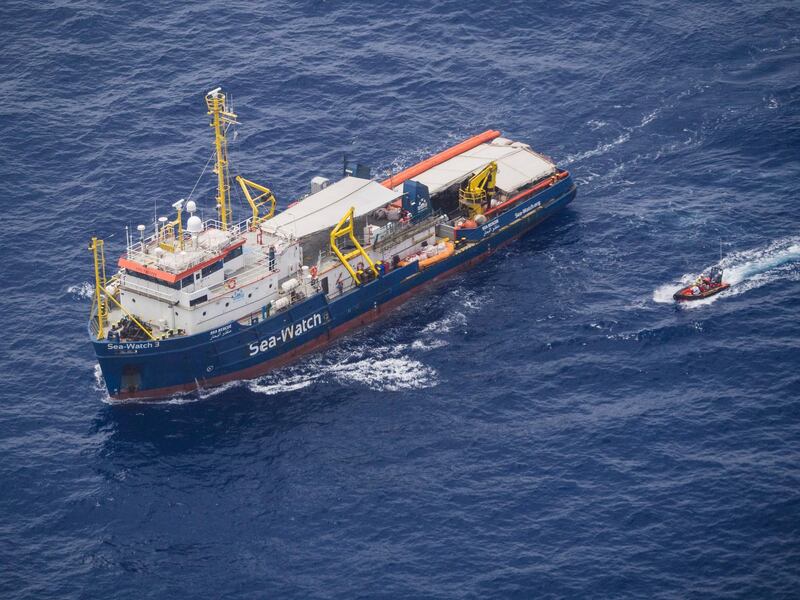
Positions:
{"x": 250, "y": 295}
{"x": 204, "y": 313}
{"x": 226, "y": 304}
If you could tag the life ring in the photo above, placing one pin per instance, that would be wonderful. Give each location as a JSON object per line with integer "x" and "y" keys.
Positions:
{"x": 231, "y": 283}
{"x": 313, "y": 272}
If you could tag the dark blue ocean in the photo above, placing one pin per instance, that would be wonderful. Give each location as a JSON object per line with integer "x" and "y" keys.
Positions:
{"x": 548, "y": 425}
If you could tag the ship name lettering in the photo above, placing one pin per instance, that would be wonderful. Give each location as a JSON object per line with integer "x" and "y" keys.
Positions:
{"x": 220, "y": 331}
{"x": 527, "y": 209}
{"x": 133, "y": 346}
{"x": 491, "y": 226}
{"x": 287, "y": 334}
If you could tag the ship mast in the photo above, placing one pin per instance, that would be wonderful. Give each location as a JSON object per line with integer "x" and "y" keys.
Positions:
{"x": 220, "y": 119}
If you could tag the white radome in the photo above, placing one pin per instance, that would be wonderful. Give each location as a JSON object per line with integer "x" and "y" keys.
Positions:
{"x": 194, "y": 224}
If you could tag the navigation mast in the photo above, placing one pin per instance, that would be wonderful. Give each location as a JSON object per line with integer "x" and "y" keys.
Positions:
{"x": 220, "y": 119}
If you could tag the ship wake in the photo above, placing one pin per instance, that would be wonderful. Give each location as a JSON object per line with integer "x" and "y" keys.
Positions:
{"x": 745, "y": 271}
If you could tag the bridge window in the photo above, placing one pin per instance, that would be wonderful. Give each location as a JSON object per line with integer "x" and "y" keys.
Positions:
{"x": 235, "y": 253}
{"x": 212, "y": 268}
{"x": 156, "y": 280}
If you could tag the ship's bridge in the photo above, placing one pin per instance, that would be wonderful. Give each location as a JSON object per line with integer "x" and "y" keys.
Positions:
{"x": 168, "y": 259}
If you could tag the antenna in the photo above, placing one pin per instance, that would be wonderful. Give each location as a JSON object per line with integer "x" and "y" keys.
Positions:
{"x": 221, "y": 118}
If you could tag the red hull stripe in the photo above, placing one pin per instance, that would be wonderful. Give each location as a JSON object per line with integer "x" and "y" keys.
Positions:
{"x": 525, "y": 193}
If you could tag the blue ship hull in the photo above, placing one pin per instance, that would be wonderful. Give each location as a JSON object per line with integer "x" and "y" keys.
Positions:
{"x": 153, "y": 369}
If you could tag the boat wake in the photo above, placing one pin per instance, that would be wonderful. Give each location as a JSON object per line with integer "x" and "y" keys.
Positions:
{"x": 389, "y": 366}
{"x": 746, "y": 270}
{"x": 378, "y": 369}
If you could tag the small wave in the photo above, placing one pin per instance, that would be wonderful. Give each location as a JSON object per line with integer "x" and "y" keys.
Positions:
{"x": 625, "y": 136}
{"x": 425, "y": 345}
{"x": 599, "y": 149}
{"x": 445, "y": 324}
{"x": 649, "y": 117}
{"x": 99, "y": 384}
{"x": 81, "y": 291}
{"x": 387, "y": 374}
{"x": 273, "y": 384}
{"x": 745, "y": 270}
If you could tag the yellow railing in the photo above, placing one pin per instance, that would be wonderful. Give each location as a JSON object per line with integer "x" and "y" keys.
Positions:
{"x": 345, "y": 228}
{"x": 265, "y": 197}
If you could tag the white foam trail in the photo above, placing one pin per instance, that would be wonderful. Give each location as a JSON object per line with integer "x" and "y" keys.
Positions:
{"x": 745, "y": 270}
{"x": 424, "y": 346}
{"x": 273, "y": 384}
{"x": 100, "y": 386}
{"x": 388, "y": 374}
{"x": 598, "y": 150}
{"x": 376, "y": 367}
{"x": 649, "y": 117}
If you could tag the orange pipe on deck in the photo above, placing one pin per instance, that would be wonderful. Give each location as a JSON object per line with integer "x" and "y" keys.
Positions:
{"x": 438, "y": 159}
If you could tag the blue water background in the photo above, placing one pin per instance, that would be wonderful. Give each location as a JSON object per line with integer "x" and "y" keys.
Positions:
{"x": 547, "y": 425}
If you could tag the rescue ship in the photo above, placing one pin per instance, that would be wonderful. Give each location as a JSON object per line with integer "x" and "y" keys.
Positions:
{"x": 196, "y": 303}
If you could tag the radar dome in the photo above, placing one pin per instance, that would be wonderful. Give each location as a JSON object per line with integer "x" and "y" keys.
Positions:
{"x": 191, "y": 206}
{"x": 194, "y": 224}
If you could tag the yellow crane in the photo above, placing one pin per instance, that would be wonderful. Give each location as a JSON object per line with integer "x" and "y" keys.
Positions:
{"x": 265, "y": 197}
{"x": 479, "y": 191}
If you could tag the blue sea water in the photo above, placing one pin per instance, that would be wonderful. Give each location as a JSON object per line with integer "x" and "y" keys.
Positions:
{"x": 547, "y": 425}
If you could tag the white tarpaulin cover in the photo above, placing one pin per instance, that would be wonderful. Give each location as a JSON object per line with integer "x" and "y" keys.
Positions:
{"x": 324, "y": 209}
{"x": 517, "y": 166}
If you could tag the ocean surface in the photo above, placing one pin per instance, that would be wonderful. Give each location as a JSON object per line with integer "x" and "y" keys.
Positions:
{"x": 547, "y": 425}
